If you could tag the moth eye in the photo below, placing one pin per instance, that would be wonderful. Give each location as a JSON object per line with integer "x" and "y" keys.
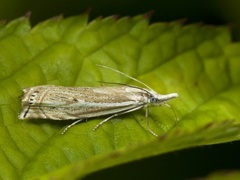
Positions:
{"x": 153, "y": 100}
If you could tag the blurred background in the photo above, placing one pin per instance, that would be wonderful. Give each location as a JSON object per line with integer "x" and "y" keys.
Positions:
{"x": 184, "y": 164}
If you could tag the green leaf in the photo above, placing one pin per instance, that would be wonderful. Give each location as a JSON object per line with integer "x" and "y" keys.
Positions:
{"x": 198, "y": 62}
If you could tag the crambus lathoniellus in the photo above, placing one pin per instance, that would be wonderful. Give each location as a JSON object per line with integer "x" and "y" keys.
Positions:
{"x": 78, "y": 103}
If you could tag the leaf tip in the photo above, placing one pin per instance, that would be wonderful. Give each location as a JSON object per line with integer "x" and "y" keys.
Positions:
{"x": 149, "y": 14}
{"x": 182, "y": 21}
{"x": 28, "y": 14}
{"x": 3, "y": 21}
{"x": 57, "y": 18}
{"x": 87, "y": 11}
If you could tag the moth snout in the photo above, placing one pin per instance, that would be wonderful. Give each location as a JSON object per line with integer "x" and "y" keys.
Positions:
{"x": 159, "y": 99}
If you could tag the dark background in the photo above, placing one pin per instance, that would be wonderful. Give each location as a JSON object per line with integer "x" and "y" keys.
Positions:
{"x": 184, "y": 164}
{"x": 205, "y": 11}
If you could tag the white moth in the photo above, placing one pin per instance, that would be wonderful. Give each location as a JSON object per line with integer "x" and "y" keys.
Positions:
{"x": 78, "y": 103}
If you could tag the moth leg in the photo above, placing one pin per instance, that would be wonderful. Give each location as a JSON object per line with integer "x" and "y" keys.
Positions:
{"x": 114, "y": 115}
{"x": 75, "y": 122}
{"x": 147, "y": 121}
{"x": 175, "y": 113}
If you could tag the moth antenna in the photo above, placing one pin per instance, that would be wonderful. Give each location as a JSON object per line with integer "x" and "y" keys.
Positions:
{"x": 130, "y": 77}
{"x": 175, "y": 113}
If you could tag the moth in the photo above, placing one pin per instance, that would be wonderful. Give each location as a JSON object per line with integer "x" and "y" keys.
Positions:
{"x": 79, "y": 103}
